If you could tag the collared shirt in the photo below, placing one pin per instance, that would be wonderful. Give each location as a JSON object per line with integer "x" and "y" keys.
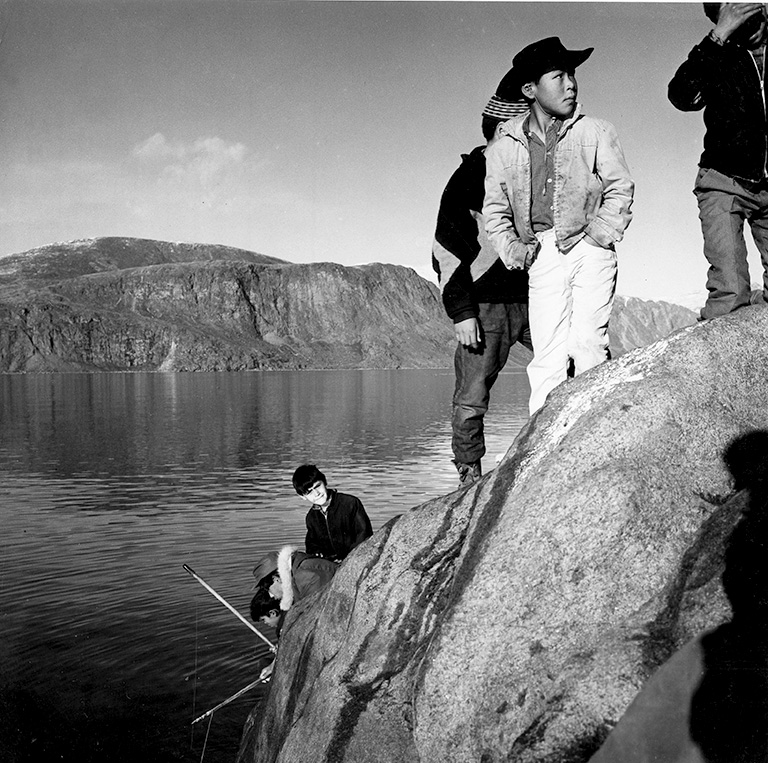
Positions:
{"x": 601, "y": 209}
{"x": 542, "y": 175}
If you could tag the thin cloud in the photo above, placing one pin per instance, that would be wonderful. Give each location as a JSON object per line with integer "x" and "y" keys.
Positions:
{"x": 156, "y": 147}
{"x": 205, "y": 165}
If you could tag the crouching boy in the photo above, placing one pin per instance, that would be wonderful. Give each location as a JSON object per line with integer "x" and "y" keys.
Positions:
{"x": 283, "y": 579}
{"x": 557, "y": 199}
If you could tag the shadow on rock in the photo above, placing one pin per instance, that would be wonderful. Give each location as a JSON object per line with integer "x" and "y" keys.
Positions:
{"x": 709, "y": 702}
{"x": 730, "y": 707}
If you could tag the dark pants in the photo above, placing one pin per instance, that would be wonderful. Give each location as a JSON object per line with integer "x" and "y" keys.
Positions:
{"x": 724, "y": 204}
{"x": 477, "y": 370}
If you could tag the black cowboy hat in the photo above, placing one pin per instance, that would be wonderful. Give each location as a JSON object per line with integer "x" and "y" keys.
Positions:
{"x": 536, "y": 59}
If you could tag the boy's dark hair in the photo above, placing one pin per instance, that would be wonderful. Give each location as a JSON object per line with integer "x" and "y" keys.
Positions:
{"x": 489, "y": 125}
{"x": 712, "y": 10}
{"x": 306, "y": 476}
{"x": 262, "y": 604}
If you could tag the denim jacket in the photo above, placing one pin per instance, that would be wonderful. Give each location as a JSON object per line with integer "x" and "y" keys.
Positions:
{"x": 593, "y": 189}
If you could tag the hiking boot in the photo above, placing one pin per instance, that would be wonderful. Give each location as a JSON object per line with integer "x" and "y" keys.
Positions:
{"x": 468, "y": 473}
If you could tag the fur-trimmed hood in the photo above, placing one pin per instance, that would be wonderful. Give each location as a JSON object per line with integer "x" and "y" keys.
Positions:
{"x": 284, "y": 570}
{"x": 301, "y": 575}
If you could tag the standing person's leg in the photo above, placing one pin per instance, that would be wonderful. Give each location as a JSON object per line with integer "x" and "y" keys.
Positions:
{"x": 722, "y": 213}
{"x": 593, "y": 273}
{"x": 759, "y": 226}
{"x": 476, "y": 372}
{"x": 519, "y": 325}
{"x": 549, "y": 309}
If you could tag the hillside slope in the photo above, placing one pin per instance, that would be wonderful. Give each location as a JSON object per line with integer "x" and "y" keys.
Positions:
{"x": 132, "y": 304}
{"x": 121, "y": 304}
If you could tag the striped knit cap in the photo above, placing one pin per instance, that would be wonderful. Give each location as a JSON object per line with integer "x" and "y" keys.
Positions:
{"x": 498, "y": 108}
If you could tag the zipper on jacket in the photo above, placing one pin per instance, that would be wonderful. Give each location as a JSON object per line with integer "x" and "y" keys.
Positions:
{"x": 328, "y": 530}
{"x": 761, "y": 80}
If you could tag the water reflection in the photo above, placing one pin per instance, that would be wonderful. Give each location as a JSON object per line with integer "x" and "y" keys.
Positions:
{"x": 110, "y": 482}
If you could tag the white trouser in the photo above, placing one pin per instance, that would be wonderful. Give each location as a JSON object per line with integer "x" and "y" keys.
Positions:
{"x": 570, "y": 301}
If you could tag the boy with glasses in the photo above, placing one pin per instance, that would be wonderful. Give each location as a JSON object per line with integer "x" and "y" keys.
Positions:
{"x": 336, "y": 522}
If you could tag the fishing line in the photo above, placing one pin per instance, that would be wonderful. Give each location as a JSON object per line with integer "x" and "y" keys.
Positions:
{"x": 207, "y": 731}
{"x": 194, "y": 680}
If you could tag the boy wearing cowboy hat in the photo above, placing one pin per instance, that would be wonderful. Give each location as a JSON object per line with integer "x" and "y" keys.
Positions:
{"x": 558, "y": 195}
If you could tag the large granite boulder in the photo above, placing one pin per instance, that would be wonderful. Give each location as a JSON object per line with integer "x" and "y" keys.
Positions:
{"x": 517, "y": 619}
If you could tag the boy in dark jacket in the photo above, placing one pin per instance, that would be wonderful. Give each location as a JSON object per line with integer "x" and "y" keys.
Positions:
{"x": 337, "y": 522}
{"x": 725, "y": 75}
{"x": 487, "y": 303}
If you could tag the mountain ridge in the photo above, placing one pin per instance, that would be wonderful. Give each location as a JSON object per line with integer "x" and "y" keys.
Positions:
{"x": 117, "y": 304}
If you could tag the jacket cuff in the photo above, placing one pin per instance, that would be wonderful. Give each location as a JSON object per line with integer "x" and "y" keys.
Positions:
{"x": 717, "y": 40}
{"x": 519, "y": 256}
{"x": 462, "y": 315}
{"x": 708, "y": 48}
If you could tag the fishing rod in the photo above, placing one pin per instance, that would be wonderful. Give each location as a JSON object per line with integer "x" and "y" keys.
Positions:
{"x": 229, "y": 699}
{"x": 205, "y": 585}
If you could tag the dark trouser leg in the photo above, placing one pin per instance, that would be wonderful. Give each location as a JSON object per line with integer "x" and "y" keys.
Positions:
{"x": 476, "y": 372}
{"x": 723, "y": 206}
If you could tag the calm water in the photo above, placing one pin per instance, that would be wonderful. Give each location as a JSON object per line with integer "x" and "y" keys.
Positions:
{"x": 111, "y": 482}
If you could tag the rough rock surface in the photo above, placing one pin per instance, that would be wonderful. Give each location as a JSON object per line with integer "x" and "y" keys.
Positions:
{"x": 130, "y": 304}
{"x": 515, "y": 620}
{"x": 117, "y": 304}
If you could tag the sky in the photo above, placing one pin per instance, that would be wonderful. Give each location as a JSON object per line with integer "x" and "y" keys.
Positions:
{"x": 320, "y": 131}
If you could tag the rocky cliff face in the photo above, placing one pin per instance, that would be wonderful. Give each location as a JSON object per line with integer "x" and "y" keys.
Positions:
{"x": 515, "y": 620}
{"x": 116, "y": 304}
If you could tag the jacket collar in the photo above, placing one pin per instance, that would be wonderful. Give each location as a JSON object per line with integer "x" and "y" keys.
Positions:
{"x": 475, "y": 154}
{"x": 514, "y": 126}
{"x": 331, "y": 495}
